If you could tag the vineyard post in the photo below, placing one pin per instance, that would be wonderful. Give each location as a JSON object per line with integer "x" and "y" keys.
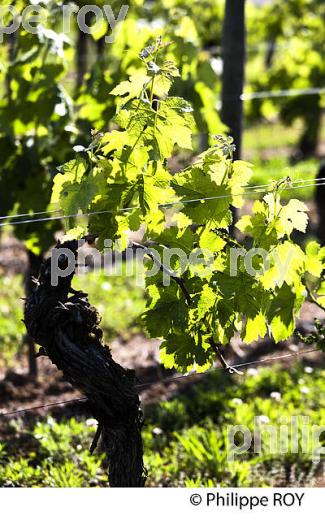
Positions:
{"x": 33, "y": 267}
{"x": 81, "y": 58}
{"x": 233, "y": 47}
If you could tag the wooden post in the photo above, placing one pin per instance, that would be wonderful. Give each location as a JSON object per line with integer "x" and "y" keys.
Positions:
{"x": 81, "y": 58}
{"x": 233, "y": 50}
{"x": 33, "y": 267}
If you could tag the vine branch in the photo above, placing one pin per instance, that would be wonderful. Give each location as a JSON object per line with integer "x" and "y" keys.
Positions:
{"x": 152, "y": 254}
{"x": 224, "y": 363}
{"x": 313, "y": 298}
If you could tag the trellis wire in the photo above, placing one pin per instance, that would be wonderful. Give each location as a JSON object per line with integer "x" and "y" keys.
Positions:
{"x": 163, "y": 381}
{"x": 248, "y": 96}
{"x": 18, "y": 215}
{"x": 165, "y": 205}
{"x": 50, "y": 405}
{"x": 256, "y": 186}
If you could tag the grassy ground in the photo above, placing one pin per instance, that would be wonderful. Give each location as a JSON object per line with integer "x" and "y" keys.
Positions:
{"x": 278, "y": 168}
{"x": 269, "y": 146}
{"x": 11, "y": 314}
{"x": 186, "y": 439}
{"x": 270, "y": 138}
{"x": 119, "y": 300}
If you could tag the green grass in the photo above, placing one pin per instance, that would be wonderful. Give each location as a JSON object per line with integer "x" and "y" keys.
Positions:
{"x": 274, "y": 138}
{"x": 11, "y": 314}
{"x": 268, "y": 147}
{"x": 58, "y": 456}
{"x": 270, "y": 137}
{"x": 119, "y": 300}
{"x": 278, "y": 168}
{"x": 185, "y": 439}
{"x": 190, "y": 449}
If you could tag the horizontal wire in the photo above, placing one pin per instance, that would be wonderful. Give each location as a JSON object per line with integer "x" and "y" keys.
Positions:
{"x": 18, "y": 215}
{"x": 296, "y": 181}
{"x": 282, "y": 93}
{"x": 49, "y": 219}
{"x": 77, "y": 400}
{"x": 256, "y": 186}
{"x": 165, "y": 205}
{"x": 241, "y": 365}
{"x": 166, "y": 380}
{"x": 190, "y": 201}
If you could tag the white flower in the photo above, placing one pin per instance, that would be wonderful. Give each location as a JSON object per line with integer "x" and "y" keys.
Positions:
{"x": 236, "y": 400}
{"x": 276, "y": 396}
{"x": 252, "y": 371}
{"x": 60, "y": 109}
{"x": 91, "y": 422}
{"x": 304, "y": 390}
{"x": 262, "y": 419}
{"x": 309, "y": 370}
{"x": 217, "y": 65}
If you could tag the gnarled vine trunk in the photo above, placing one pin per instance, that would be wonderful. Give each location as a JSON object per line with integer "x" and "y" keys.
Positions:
{"x": 66, "y": 326}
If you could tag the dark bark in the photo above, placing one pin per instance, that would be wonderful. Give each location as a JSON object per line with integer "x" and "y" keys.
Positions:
{"x": 271, "y": 47}
{"x": 33, "y": 267}
{"x": 81, "y": 57}
{"x": 310, "y": 108}
{"x": 11, "y": 59}
{"x": 309, "y": 140}
{"x": 233, "y": 76}
{"x": 100, "y": 45}
{"x": 66, "y": 326}
{"x": 233, "y": 49}
{"x": 320, "y": 202}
